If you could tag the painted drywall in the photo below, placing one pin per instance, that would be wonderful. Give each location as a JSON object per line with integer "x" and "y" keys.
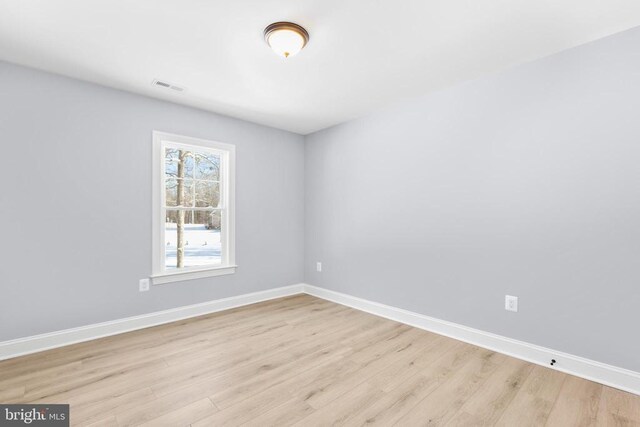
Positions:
{"x": 76, "y": 203}
{"x": 525, "y": 183}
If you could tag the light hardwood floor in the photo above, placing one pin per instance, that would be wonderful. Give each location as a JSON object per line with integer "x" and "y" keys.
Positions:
{"x": 307, "y": 362}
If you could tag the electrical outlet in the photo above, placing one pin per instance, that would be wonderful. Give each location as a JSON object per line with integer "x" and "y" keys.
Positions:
{"x": 144, "y": 285}
{"x": 318, "y": 267}
{"x": 510, "y": 303}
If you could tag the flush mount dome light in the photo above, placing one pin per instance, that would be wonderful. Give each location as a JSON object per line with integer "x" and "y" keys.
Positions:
{"x": 286, "y": 38}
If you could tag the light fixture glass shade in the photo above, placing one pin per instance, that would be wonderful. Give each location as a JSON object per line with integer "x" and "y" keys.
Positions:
{"x": 286, "y": 38}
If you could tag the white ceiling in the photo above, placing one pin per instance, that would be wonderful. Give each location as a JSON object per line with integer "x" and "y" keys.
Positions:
{"x": 362, "y": 55}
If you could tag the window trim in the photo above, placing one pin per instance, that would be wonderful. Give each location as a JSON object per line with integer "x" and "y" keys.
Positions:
{"x": 228, "y": 151}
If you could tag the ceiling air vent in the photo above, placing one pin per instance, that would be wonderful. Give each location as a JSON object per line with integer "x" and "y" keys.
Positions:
{"x": 168, "y": 85}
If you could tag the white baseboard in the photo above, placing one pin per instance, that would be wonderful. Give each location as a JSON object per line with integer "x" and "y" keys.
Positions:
{"x": 36, "y": 343}
{"x": 619, "y": 378}
{"x": 612, "y": 376}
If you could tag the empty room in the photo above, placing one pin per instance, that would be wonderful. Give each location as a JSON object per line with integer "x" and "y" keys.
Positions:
{"x": 318, "y": 213}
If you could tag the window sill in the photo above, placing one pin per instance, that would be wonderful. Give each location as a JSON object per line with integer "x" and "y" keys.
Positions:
{"x": 179, "y": 276}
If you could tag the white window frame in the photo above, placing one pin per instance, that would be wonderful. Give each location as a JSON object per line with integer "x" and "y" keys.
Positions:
{"x": 227, "y": 154}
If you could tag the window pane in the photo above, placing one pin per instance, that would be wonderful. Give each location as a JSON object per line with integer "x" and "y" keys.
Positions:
{"x": 207, "y": 194}
{"x": 175, "y": 157}
{"x": 207, "y": 166}
{"x": 171, "y": 191}
{"x": 213, "y": 220}
{"x": 171, "y": 162}
{"x": 200, "y": 239}
{"x": 172, "y": 186}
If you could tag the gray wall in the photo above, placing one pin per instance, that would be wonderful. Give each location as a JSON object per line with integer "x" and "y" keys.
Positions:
{"x": 524, "y": 183}
{"x": 75, "y": 204}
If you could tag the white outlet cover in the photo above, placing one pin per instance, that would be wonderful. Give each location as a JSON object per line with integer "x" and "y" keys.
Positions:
{"x": 144, "y": 285}
{"x": 511, "y": 303}
{"x": 318, "y": 266}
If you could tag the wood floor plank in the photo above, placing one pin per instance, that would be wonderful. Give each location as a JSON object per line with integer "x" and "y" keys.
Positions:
{"x": 279, "y": 394}
{"x": 108, "y": 421}
{"x": 404, "y": 369}
{"x": 185, "y": 415}
{"x": 287, "y": 414}
{"x": 303, "y": 361}
{"x": 533, "y": 403}
{"x": 235, "y": 390}
{"x": 486, "y": 406}
{"x": 340, "y": 411}
{"x": 398, "y": 401}
{"x": 577, "y": 404}
{"x": 368, "y": 367}
{"x": 439, "y": 406}
{"x": 618, "y": 408}
{"x": 141, "y": 412}
{"x": 12, "y": 393}
{"x": 108, "y": 404}
{"x": 85, "y": 382}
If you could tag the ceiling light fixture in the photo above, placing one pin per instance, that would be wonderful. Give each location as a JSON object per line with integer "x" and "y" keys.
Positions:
{"x": 286, "y": 38}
